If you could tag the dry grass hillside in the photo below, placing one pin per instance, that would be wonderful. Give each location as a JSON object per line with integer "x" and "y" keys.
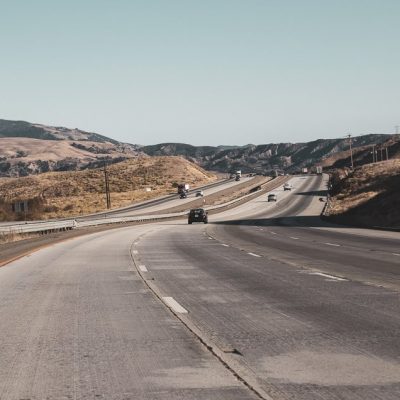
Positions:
{"x": 370, "y": 195}
{"x": 28, "y": 150}
{"x": 363, "y": 154}
{"x": 20, "y": 156}
{"x": 57, "y": 194}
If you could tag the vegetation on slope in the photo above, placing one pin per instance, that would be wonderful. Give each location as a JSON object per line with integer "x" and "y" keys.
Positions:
{"x": 59, "y": 194}
{"x": 370, "y": 195}
{"x": 362, "y": 155}
{"x": 29, "y": 149}
{"x": 261, "y": 158}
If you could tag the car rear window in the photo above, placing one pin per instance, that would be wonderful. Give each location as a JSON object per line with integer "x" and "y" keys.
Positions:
{"x": 197, "y": 211}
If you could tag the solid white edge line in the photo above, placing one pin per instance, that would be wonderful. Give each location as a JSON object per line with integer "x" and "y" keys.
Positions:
{"x": 396, "y": 254}
{"x": 143, "y": 268}
{"x": 254, "y": 255}
{"x": 174, "y": 305}
{"x": 332, "y": 244}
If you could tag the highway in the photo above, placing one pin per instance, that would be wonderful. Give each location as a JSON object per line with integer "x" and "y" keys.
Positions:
{"x": 160, "y": 204}
{"x": 265, "y": 302}
{"x": 156, "y": 206}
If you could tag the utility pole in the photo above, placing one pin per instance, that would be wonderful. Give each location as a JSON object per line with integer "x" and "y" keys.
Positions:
{"x": 107, "y": 186}
{"x": 397, "y": 129}
{"x": 351, "y": 151}
{"x": 373, "y": 154}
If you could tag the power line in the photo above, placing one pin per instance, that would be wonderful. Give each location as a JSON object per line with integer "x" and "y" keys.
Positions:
{"x": 107, "y": 186}
{"x": 351, "y": 151}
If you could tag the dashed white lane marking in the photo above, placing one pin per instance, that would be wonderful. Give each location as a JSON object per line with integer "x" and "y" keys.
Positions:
{"x": 143, "y": 268}
{"x": 396, "y": 254}
{"x": 174, "y": 305}
{"x": 225, "y": 245}
{"x": 210, "y": 238}
{"x": 254, "y": 255}
{"x": 273, "y": 233}
{"x": 332, "y": 277}
{"x": 135, "y": 252}
{"x": 332, "y": 244}
{"x": 292, "y": 237}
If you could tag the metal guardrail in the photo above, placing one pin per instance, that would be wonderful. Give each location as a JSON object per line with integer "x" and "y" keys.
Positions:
{"x": 44, "y": 226}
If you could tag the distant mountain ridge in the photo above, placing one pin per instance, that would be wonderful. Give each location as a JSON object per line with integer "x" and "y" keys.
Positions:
{"x": 262, "y": 158}
{"x": 27, "y": 148}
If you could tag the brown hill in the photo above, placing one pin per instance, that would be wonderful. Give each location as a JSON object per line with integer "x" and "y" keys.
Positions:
{"x": 27, "y": 149}
{"x": 362, "y": 155}
{"x": 57, "y": 194}
{"x": 369, "y": 196}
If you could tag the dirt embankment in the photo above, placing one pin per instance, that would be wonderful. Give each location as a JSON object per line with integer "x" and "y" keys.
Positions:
{"x": 367, "y": 196}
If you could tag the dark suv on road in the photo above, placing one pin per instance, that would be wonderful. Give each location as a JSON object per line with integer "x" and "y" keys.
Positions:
{"x": 198, "y": 215}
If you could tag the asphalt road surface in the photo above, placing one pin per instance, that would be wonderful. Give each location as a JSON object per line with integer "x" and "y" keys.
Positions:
{"x": 266, "y": 301}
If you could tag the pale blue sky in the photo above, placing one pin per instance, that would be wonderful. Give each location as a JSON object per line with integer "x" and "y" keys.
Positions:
{"x": 203, "y": 72}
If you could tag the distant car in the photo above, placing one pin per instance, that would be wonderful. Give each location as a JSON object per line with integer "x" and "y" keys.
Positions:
{"x": 183, "y": 195}
{"x": 198, "y": 215}
{"x": 272, "y": 197}
{"x": 287, "y": 186}
{"x": 199, "y": 193}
